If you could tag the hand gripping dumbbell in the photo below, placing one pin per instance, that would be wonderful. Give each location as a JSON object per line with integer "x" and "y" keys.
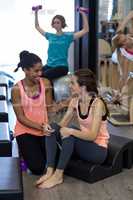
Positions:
{"x": 35, "y": 8}
{"x": 85, "y": 10}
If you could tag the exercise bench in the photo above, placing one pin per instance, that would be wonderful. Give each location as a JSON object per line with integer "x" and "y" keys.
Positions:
{"x": 120, "y": 155}
{"x": 3, "y": 111}
{"x": 11, "y": 186}
{"x": 5, "y": 140}
{"x": 3, "y": 93}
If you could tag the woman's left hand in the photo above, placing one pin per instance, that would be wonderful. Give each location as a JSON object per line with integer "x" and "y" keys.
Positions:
{"x": 83, "y": 10}
{"x": 66, "y": 132}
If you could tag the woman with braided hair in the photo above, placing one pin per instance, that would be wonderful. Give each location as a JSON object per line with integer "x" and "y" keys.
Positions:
{"x": 31, "y": 99}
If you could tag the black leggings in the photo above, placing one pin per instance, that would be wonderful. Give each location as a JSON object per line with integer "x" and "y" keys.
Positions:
{"x": 86, "y": 150}
{"x": 32, "y": 149}
{"x": 54, "y": 72}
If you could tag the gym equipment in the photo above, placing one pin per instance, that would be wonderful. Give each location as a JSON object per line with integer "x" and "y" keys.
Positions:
{"x": 23, "y": 165}
{"x": 5, "y": 140}
{"x": 120, "y": 155}
{"x": 35, "y": 8}
{"x": 7, "y": 81}
{"x": 61, "y": 88}
{"x": 3, "y": 81}
{"x": 119, "y": 119}
{"x": 3, "y": 93}
{"x": 105, "y": 53}
{"x": 11, "y": 187}
{"x": 3, "y": 111}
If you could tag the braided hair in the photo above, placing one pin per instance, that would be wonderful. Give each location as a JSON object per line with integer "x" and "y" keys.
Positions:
{"x": 27, "y": 60}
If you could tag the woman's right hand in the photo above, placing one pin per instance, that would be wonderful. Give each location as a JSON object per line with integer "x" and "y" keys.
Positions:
{"x": 65, "y": 132}
{"x": 47, "y": 129}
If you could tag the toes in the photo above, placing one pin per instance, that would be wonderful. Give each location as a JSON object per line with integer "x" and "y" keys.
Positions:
{"x": 49, "y": 184}
{"x": 40, "y": 180}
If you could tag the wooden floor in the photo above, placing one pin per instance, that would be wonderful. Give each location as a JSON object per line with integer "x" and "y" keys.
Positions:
{"x": 113, "y": 188}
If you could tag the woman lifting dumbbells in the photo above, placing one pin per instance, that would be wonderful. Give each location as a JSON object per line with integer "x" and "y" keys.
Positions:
{"x": 59, "y": 42}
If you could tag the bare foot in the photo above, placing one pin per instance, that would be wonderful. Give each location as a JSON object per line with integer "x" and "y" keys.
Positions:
{"x": 45, "y": 177}
{"x": 51, "y": 182}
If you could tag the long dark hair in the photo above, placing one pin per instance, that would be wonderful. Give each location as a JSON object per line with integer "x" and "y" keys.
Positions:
{"x": 87, "y": 78}
{"x": 27, "y": 60}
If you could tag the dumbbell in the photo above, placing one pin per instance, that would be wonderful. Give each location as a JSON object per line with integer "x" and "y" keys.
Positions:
{"x": 85, "y": 10}
{"x": 35, "y": 8}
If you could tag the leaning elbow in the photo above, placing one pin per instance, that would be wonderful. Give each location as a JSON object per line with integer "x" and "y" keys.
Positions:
{"x": 36, "y": 26}
{"x": 87, "y": 30}
{"x": 20, "y": 119}
{"x": 91, "y": 137}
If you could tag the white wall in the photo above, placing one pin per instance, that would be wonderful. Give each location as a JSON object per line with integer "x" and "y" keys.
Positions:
{"x": 18, "y": 32}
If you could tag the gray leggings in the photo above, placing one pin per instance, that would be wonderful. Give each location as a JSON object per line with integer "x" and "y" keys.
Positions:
{"x": 86, "y": 150}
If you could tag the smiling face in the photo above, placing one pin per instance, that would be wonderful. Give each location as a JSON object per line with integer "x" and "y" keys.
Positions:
{"x": 57, "y": 24}
{"x": 33, "y": 73}
{"x": 74, "y": 86}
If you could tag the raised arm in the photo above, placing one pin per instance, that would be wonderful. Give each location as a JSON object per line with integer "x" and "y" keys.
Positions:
{"x": 48, "y": 94}
{"x": 123, "y": 24}
{"x": 37, "y": 26}
{"x": 85, "y": 28}
{"x": 69, "y": 114}
{"x": 18, "y": 109}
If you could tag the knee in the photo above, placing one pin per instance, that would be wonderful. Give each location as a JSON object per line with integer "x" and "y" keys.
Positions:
{"x": 69, "y": 139}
